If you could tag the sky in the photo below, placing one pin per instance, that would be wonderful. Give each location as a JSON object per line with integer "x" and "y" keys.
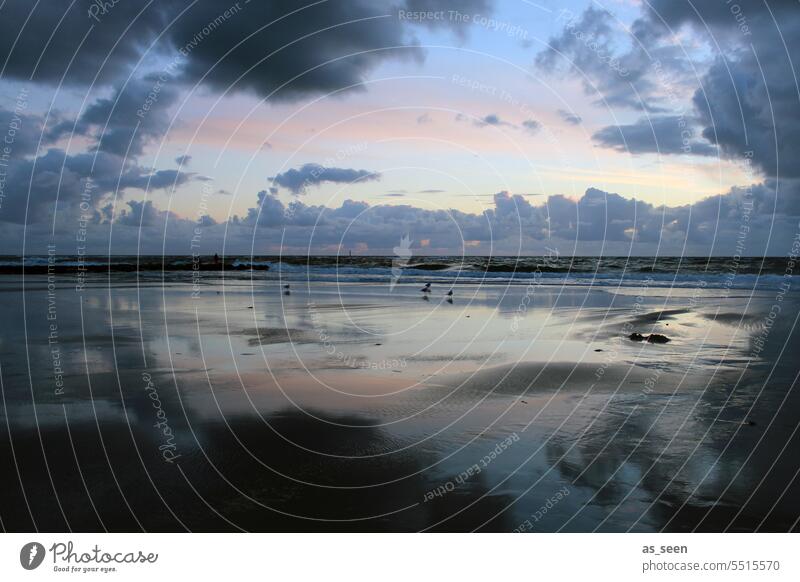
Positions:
{"x": 510, "y": 127}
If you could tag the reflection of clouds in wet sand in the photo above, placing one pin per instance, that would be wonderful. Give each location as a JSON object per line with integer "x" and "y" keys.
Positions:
{"x": 271, "y": 425}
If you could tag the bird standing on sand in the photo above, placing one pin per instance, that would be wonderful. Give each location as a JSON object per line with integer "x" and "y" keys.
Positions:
{"x": 450, "y": 293}
{"x": 287, "y": 292}
{"x": 426, "y": 288}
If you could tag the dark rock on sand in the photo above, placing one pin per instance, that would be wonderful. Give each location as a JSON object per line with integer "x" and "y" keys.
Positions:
{"x": 653, "y": 338}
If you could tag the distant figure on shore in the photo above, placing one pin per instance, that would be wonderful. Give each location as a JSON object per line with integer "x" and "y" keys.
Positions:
{"x": 287, "y": 290}
{"x": 216, "y": 259}
{"x": 449, "y": 296}
{"x": 426, "y": 288}
{"x": 450, "y": 293}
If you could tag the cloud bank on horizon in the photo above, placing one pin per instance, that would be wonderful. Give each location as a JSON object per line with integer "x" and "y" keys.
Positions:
{"x": 686, "y": 81}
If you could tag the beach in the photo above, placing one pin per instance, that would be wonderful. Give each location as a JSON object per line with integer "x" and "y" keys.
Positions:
{"x": 180, "y": 403}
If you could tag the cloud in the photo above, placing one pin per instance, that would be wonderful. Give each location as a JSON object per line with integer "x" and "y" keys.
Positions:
{"x": 32, "y": 186}
{"x": 591, "y": 48}
{"x": 22, "y": 130}
{"x": 750, "y": 119}
{"x": 48, "y": 42}
{"x": 458, "y": 26}
{"x": 287, "y": 50}
{"x": 141, "y": 213}
{"x": 747, "y": 100}
{"x": 134, "y": 115}
{"x": 741, "y": 102}
{"x": 664, "y": 134}
{"x": 531, "y": 126}
{"x": 278, "y": 48}
{"x": 492, "y": 119}
{"x": 570, "y": 118}
{"x": 183, "y": 160}
{"x": 55, "y": 181}
{"x": 158, "y": 180}
{"x": 424, "y": 118}
{"x": 297, "y": 181}
{"x": 596, "y": 222}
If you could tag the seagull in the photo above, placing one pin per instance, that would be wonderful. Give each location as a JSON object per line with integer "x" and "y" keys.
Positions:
{"x": 426, "y": 288}
{"x": 450, "y": 293}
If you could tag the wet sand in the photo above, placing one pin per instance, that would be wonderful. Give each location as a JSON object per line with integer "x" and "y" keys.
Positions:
{"x": 231, "y": 405}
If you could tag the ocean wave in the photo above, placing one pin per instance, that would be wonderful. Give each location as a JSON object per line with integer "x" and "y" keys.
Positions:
{"x": 717, "y": 272}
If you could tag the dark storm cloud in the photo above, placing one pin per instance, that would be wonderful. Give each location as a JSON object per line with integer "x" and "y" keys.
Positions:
{"x": 748, "y": 100}
{"x": 727, "y": 21}
{"x": 469, "y": 8}
{"x": 281, "y": 48}
{"x": 21, "y": 131}
{"x": 133, "y": 116}
{"x": 297, "y": 181}
{"x": 666, "y": 134}
{"x": 751, "y": 119}
{"x": 33, "y": 185}
{"x": 55, "y": 40}
{"x": 118, "y": 128}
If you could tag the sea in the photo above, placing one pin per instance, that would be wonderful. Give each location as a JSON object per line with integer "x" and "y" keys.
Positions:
{"x": 681, "y": 272}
